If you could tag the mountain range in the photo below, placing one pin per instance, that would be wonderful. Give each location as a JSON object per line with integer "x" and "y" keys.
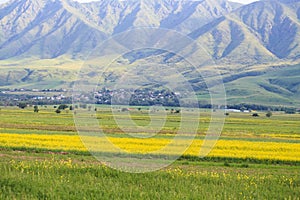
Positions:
{"x": 255, "y": 46}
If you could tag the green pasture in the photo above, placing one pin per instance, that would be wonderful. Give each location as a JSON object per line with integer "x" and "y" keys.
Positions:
{"x": 243, "y": 125}
{"x": 53, "y": 176}
{"x": 44, "y": 174}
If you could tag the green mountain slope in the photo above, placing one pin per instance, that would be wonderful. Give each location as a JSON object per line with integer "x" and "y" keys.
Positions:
{"x": 277, "y": 87}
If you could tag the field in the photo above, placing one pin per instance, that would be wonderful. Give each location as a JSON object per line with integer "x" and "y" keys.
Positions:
{"x": 42, "y": 157}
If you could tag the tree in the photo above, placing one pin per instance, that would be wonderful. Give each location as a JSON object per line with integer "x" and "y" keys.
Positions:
{"x": 58, "y": 111}
{"x": 22, "y": 105}
{"x": 290, "y": 110}
{"x": 71, "y": 108}
{"x": 36, "y": 109}
{"x": 269, "y": 114}
{"x": 62, "y": 107}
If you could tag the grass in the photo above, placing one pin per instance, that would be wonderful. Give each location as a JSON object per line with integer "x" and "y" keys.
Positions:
{"x": 237, "y": 125}
{"x": 231, "y": 173}
{"x": 275, "y": 87}
{"x": 78, "y": 177}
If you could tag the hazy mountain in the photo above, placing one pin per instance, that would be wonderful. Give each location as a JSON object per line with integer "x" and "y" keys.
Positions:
{"x": 116, "y": 16}
{"x": 51, "y": 28}
{"x": 276, "y": 25}
{"x": 247, "y": 42}
{"x": 262, "y": 32}
{"x": 45, "y": 29}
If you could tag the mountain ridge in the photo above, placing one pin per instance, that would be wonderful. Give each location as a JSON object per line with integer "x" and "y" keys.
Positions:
{"x": 51, "y": 37}
{"x": 104, "y": 18}
{"x": 260, "y": 25}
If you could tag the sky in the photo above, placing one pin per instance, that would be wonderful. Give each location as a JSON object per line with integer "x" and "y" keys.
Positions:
{"x": 240, "y": 1}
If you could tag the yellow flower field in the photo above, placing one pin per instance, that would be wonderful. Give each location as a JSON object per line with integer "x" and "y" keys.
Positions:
{"x": 223, "y": 148}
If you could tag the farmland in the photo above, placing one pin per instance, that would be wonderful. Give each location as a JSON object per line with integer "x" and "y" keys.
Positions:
{"x": 255, "y": 158}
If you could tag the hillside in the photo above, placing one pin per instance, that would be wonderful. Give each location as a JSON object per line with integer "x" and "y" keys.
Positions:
{"x": 44, "y": 29}
{"x": 46, "y": 42}
{"x": 52, "y": 28}
{"x": 262, "y": 32}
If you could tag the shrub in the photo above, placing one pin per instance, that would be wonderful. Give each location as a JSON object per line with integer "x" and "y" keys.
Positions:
{"x": 269, "y": 114}
{"x": 22, "y": 105}
{"x": 290, "y": 111}
{"x": 58, "y": 111}
{"x": 62, "y": 107}
{"x": 36, "y": 109}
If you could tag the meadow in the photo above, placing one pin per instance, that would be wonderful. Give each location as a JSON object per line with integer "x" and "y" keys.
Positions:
{"x": 255, "y": 158}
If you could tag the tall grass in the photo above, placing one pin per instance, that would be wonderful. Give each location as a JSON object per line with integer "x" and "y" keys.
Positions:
{"x": 67, "y": 178}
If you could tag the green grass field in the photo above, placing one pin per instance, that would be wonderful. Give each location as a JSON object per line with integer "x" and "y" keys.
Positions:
{"x": 52, "y": 176}
{"x": 33, "y": 172}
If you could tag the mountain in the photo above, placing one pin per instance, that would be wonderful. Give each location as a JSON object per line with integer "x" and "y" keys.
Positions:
{"x": 262, "y": 32}
{"x": 51, "y": 28}
{"x": 276, "y": 25}
{"x": 46, "y": 41}
{"x": 254, "y": 43}
{"x": 44, "y": 29}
